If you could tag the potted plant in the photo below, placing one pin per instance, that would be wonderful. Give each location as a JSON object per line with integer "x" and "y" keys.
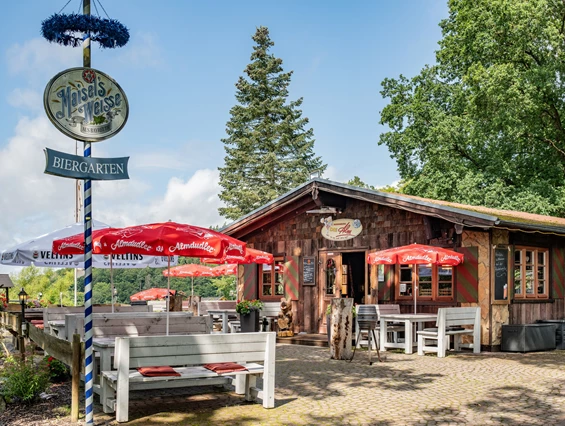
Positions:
{"x": 248, "y": 311}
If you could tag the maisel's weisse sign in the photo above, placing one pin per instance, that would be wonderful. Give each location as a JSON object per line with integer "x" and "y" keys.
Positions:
{"x": 76, "y": 167}
{"x": 86, "y": 104}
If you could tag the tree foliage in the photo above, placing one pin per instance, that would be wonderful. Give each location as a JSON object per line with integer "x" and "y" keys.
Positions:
{"x": 268, "y": 148}
{"x": 484, "y": 125}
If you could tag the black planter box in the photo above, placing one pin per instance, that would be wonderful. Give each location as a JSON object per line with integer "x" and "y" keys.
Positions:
{"x": 528, "y": 337}
{"x": 559, "y": 331}
{"x": 249, "y": 323}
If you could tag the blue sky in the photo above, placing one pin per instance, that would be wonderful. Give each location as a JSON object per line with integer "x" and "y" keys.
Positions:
{"x": 179, "y": 71}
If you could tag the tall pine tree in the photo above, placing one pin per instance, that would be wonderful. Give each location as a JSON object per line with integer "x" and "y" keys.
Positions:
{"x": 269, "y": 151}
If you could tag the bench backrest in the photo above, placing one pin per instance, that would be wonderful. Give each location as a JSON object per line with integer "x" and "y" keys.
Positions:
{"x": 142, "y": 324}
{"x": 387, "y": 309}
{"x": 215, "y": 304}
{"x": 270, "y": 309}
{"x": 133, "y": 352}
{"x": 449, "y": 317}
{"x": 56, "y": 313}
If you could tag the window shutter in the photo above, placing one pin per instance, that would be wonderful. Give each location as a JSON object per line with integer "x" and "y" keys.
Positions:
{"x": 557, "y": 272}
{"x": 291, "y": 278}
{"x": 385, "y": 287}
{"x": 467, "y": 276}
{"x": 250, "y": 281}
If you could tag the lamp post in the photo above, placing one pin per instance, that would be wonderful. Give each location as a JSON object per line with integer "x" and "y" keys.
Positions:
{"x": 22, "y": 295}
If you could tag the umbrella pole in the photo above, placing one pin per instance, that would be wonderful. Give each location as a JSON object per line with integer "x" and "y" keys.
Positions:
{"x": 168, "y": 290}
{"x": 112, "y": 282}
{"x": 192, "y": 291}
{"x": 415, "y": 291}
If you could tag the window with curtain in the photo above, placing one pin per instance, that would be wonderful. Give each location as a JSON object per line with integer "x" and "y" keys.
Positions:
{"x": 434, "y": 282}
{"x": 531, "y": 274}
{"x": 272, "y": 279}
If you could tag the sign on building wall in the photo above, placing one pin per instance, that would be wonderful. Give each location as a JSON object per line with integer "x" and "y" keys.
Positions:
{"x": 341, "y": 229}
{"x": 86, "y": 104}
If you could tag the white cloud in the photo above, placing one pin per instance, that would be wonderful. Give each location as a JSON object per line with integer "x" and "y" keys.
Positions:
{"x": 143, "y": 50}
{"x": 33, "y": 203}
{"x": 39, "y": 60}
{"x": 159, "y": 160}
{"x": 26, "y": 99}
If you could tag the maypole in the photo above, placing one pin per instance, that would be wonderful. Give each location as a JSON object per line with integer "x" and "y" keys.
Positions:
{"x": 88, "y": 364}
{"x": 99, "y": 111}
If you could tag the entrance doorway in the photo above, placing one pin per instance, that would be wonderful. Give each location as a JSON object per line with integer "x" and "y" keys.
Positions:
{"x": 354, "y": 270}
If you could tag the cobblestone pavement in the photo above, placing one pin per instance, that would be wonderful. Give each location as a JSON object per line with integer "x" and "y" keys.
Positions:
{"x": 311, "y": 389}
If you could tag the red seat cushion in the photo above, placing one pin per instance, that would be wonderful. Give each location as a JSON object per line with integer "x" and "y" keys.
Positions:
{"x": 225, "y": 367}
{"x": 34, "y": 322}
{"x": 157, "y": 371}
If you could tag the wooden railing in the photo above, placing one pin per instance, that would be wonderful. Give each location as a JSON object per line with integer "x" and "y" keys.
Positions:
{"x": 70, "y": 353}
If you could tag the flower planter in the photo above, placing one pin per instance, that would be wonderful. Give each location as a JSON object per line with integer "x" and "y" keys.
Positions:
{"x": 249, "y": 322}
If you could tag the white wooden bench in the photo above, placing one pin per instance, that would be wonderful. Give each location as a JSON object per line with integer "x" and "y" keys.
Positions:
{"x": 242, "y": 348}
{"x": 360, "y": 338}
{"x": 138, "y": 324}
{"x": 56, "y": 313}
{"x": 451, "y": 322}
{"x": 269, "y": 314}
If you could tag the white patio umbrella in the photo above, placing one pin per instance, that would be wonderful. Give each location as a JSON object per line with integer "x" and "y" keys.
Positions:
{"x": 39, "y": 252}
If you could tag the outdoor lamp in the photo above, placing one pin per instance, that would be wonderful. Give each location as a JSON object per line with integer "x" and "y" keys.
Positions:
{"x": 22, "y": 295}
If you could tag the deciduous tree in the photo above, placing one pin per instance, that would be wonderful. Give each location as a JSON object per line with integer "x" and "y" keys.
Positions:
{"x": 485, "y": 124}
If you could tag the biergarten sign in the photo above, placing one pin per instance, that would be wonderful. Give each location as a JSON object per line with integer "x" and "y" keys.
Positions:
{"x": 77, "y": 167}
{"x": 86, "y": 104}
{"x": 341, "y": 229}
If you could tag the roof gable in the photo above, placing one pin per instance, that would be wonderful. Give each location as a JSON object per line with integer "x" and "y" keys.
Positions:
{"x": 461, "y": 214}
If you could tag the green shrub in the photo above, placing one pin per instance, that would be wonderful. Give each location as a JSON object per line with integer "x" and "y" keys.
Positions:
{"x": 24, "y": 379}
{"x": 58, "y": 372}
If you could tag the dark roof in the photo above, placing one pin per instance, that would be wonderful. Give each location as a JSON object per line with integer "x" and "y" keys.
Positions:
{"x": 462, "y": 214}
{"x": 5, "y": 281}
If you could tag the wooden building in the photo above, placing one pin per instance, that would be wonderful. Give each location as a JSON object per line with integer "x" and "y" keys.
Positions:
{"x": 514, "y": 266}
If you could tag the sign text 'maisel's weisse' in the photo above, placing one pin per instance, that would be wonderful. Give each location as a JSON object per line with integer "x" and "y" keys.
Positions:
{"x": 86, "y": 104}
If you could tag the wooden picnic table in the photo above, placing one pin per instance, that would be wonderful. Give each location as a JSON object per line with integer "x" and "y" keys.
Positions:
{"x": 408, "y": 320}
{"x": 224, "y": 314}
{"x": 59, "y": 328}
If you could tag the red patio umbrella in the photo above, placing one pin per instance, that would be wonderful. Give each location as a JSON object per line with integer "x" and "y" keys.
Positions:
{"x": 251, "y": 256}
{"x": 228, "y": 269}
{"x": 190, "y": 270}
{"x": 415, "y": 254}
{"x": 151, "y": 294}
{"x": 157, "y": 239}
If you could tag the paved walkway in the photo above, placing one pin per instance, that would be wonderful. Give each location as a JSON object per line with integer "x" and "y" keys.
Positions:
{"x": 311, "y": 389}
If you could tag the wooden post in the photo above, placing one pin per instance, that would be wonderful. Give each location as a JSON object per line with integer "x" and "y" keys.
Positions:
{"x": 75, "y": 374}
{"x": 342, "y": 329}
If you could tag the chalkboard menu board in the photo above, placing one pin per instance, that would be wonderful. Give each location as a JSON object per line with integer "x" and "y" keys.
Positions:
{"x": 501, "y": 274}
{"x": 309, "y": 270}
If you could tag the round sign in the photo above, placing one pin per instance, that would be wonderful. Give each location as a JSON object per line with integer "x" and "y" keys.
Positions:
{"x": 86, "y": 104}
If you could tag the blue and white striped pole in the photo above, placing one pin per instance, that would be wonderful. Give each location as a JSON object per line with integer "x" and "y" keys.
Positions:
{"x": 88, "y": 365}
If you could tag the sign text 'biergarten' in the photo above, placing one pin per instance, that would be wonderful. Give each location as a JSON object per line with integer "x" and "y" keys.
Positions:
{"x": 76, "y": 167}
{"x": 86, "y": 104}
